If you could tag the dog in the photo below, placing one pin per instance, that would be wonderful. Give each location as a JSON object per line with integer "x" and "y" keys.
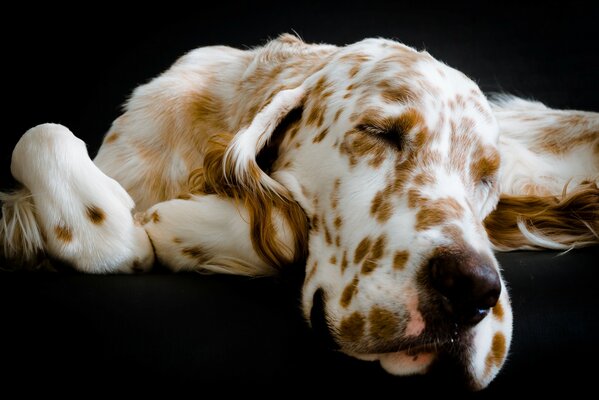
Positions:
{"x": 385, "y": 172}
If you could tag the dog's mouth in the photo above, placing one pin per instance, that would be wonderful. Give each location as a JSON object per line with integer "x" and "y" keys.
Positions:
{"x": 415, "y": 348}
{"x": 444, "y": 350}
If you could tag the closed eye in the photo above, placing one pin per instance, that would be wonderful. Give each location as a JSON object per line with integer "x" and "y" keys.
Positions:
{"x": 388, "y": 135}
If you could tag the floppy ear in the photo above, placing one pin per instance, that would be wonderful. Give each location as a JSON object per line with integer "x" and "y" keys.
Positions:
{"x": 278, "y": 225}
{"x": 548, "y": 177}
{"x": 240, "y": 162}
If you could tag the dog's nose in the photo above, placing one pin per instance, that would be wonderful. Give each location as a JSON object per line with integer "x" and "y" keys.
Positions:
{"x": 469, "y": 284}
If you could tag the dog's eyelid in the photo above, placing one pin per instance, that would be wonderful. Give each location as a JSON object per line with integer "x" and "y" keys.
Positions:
{"x": 372, "y": 129}
{"x": 386, "y": 133}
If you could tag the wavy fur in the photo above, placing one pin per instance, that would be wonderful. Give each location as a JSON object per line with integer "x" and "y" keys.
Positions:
{"x": 563, "y": 222}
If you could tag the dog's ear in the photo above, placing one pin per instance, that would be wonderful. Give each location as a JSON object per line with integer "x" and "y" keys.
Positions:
{"x": 240, "y": 165}
{"x": 279, "y": 226}
{"x": 548, "y": 177}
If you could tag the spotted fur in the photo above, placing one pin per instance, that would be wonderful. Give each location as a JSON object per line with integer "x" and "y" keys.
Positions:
{"x": 361, "y": 162}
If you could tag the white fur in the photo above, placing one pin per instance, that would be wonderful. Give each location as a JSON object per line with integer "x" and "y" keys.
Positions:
{"x": 215, "y": 226}
{"x": 62, "y": 181}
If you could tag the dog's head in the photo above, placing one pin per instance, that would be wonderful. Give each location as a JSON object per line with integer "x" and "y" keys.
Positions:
{"x": 394, "y": 160}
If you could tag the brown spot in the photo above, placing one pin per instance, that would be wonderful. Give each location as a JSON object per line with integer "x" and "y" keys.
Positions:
{"x": 111, "y": 138}
{"x": 314, "y": 222}
{"x": 63, "y": 233}
{"x": 327, "y": 234}
{"x": 95, "y": 214}
{"x": 415, "y": 198}
{"x": 348, "y": 292}
{"x": 293, "y": 132}
{"x": 312, "y": 271}
{"x": 424, "y": 179}
{"x": 197, "y": 253}
{"x": 344, "y": 261}
{"x": 368, "y": 266}
{"x": 383, "y": 323}
{"x": 315, "y": 114}
{"x": 353, "y": 71}
{"x": 362, "y": 249}
{"x": 399, "y": 94}
{"x": 155, "y": 217}
{"x": 485, "y": 167}
{"x": 381, "y": 207}
{"x": 375, "y": 254}
{"x": 177, "y": 240}
{"x": 318, "y": 138}
{"x": 337, "y": 115}
{"x": 379, "y": 247}
{"x": 400, "y": 258}
{"x": 321, "y": 118}
{"x": 498, "y": 311}
{"x": 335, "y": 193}
{"x": 333, "y": 260}
{"x": 438, "y": 212}
{"x": 351, "y": 328}
{"x": 497, "y": 352}
{"x": 184, "y": 196}
{"x": 338, "y": 222}
{"x": 338, "y": 241}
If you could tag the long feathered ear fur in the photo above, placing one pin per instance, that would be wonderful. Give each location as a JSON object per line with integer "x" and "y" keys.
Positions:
{"x": 548, "y": 179}
{"x": 546, "y": 222}
{"x": 230, "y": 169}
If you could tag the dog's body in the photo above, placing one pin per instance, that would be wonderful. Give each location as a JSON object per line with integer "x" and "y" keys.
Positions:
{"x": 372, "y": 163}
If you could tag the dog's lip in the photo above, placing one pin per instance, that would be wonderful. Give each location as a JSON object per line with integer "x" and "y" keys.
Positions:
{"x": 412, "y": 349}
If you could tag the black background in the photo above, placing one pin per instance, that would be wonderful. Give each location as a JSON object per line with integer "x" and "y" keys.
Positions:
{"x": 76, "y": 66}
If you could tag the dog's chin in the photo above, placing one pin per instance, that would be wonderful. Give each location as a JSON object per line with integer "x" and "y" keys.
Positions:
{"x": 449, "y": 364}
{"x": 402, "y": 363}
{"x": 407, "y": 363}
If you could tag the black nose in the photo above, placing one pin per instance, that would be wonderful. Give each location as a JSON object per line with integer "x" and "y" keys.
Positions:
{"x": 468, "y": 281}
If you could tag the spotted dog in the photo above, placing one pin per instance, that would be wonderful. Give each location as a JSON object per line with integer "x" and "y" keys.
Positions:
{"x": 388, "y": 174}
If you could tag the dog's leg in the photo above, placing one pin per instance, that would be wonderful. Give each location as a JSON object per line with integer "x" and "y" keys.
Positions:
{"x": 207, "y": 233}
{"x": 68, "y": 209}
{"x": 548, "y": 179}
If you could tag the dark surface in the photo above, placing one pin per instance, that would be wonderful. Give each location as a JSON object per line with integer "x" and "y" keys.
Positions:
{"x": 191, "y": 329}
{"x": 77, "y": 67}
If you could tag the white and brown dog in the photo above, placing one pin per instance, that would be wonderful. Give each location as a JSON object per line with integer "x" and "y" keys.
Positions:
{"x": 386, "y": 172}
